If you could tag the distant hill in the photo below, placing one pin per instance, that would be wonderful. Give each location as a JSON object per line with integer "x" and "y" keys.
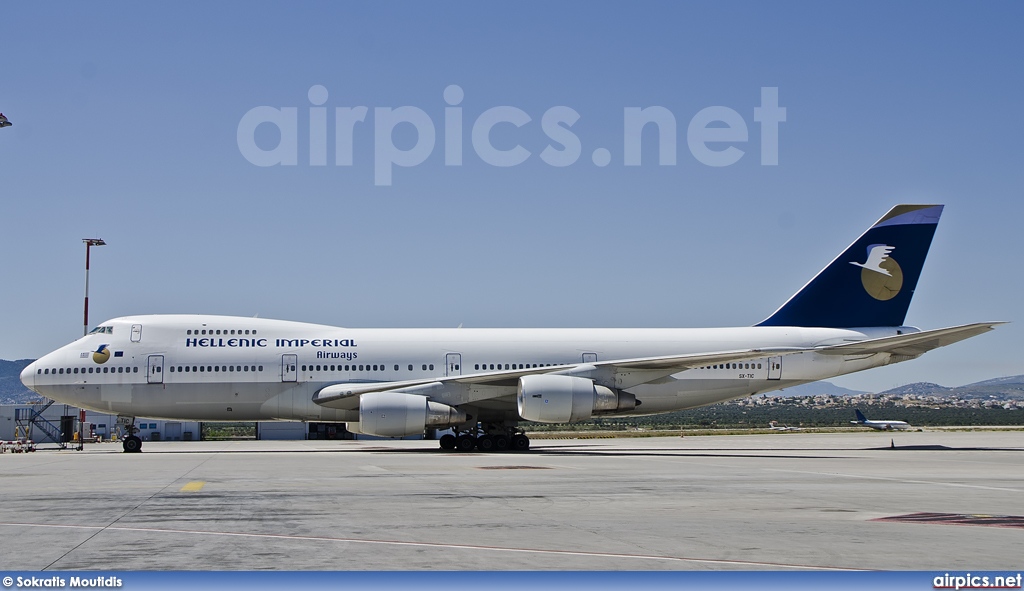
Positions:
{"x": 920, "y": 389}
{"x": 12, "y": 391}
{"x": 1005, "y": 388}
{"x": 816, "y": 389}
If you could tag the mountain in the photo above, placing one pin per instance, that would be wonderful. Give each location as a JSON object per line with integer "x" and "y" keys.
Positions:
{"x": 919, "y": 388}
{"x": 816, "y": 389}
{"x": 1004, "y": 381}
{"x": 1005, "y": 388}
{"x": 12, "y": 391}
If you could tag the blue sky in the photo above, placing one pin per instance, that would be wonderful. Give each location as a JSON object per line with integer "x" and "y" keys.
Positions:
{"x": 125, "y": 128}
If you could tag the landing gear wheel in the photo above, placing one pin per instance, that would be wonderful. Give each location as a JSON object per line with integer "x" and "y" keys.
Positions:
{"x": 485, "y": 443}
{"x": 448, "y": 442}
{"x": 132, "y": 444}
{"x": 520, "y": 443}
{"x": 465, "y": 443}
{"x": 501, "y": 442}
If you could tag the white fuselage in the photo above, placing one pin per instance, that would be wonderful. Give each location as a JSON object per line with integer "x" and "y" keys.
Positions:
{"x": 193, "y": 367}
{"x": 884, "y": 425}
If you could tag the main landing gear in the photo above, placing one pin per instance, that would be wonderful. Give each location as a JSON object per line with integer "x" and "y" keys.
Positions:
{"x": 131, "y": 443}
{"x": 487, "y": 437}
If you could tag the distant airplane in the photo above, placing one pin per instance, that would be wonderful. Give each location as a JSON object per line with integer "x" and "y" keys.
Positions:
{"x": 879, "y": 425}
{"x": 4, "y": 122}
{"x": 777, "y": 427}
{"x": 483, "y": 383}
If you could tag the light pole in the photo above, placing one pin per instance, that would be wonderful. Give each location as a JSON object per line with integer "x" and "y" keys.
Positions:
{"x": 89, "y": 243}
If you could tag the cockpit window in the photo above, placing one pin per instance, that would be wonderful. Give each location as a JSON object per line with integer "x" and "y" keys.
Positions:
{"x": 102, "y": 330}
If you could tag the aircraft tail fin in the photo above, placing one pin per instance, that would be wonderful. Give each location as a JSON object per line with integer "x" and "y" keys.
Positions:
{"x": 872, "y": 281}
{"x": 860, "y": 416}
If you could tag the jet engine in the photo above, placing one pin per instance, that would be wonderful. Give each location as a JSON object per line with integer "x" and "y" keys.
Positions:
{"x": 567, "y": 399}
{"x": 396, "y": 414}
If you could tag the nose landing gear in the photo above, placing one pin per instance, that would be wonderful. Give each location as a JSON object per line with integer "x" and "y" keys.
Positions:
{"x": 131, "y": 443}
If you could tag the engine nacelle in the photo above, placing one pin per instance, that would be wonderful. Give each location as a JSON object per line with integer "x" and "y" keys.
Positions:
{"x": 397, "y": 414}
{"x": 567, "y": 399}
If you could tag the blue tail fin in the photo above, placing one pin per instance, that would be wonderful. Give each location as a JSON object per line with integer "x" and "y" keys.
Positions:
{"x": 872, "y": 282}
{"x": 860, "y": 416}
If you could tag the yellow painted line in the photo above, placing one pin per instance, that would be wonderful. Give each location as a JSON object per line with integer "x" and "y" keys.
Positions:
{"x": 194, "y": 486}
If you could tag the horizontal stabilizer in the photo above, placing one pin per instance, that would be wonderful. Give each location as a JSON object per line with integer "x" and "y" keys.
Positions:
{"x": 912, "y": 344}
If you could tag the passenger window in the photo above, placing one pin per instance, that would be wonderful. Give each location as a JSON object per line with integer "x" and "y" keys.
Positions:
{"x": 410, "y": 367}
{"x": 424, "y": 367}
{"x": 431, "y": 367}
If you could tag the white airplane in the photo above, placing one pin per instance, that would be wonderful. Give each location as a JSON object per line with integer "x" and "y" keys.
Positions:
{"x": 4, "y": 122}
{"x": 775, "y": 426}
{"x": 484, "y": 383}
{"x": 879, "y": 425}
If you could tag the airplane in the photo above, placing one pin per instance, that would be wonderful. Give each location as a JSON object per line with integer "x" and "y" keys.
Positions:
{"x": 879, "y": 425}
{"x": 483, "y": 384}
{"x": 4, "y": 122}
{"x": 775, "y": 426}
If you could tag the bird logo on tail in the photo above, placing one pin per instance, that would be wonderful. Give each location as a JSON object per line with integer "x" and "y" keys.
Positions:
{"x": 880, "y": 273}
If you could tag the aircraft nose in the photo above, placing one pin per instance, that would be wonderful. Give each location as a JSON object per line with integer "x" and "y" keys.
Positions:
{"x": 28, "y": 376}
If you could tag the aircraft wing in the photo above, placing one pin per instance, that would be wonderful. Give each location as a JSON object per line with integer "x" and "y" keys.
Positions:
{"x": 625, "y": 373}
{"x": 913, "y": 344}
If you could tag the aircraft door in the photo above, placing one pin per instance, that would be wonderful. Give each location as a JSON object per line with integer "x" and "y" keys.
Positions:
{"x": 136, "y": 333}
{"x": 590, "y": 358}
{"x": 775, "y": 368}
{"x": 289, "y": 368}
{"x": 453, "y": 364}
{"x": 155, "y": 369}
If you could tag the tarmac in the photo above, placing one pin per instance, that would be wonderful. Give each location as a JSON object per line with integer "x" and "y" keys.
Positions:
{"x": 789, "y": 501}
